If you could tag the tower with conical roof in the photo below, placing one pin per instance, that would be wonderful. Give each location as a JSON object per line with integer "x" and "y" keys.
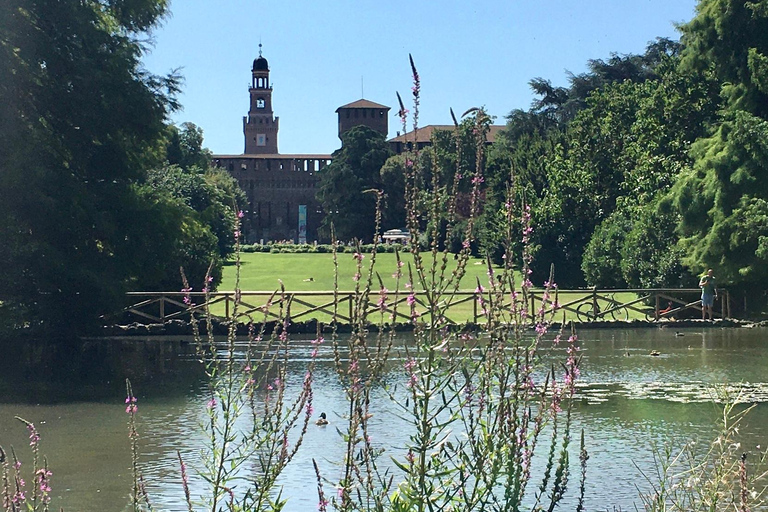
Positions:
{"x": 260, "y": 126}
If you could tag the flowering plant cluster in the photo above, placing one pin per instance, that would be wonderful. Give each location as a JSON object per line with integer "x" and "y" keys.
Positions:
{"x": 16, "y": 495}
{"x": 475, "y": 406}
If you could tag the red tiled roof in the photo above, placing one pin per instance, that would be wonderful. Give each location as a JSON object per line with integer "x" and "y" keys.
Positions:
{"x": 425, "y": 133}
{"x": 362, "y": 103}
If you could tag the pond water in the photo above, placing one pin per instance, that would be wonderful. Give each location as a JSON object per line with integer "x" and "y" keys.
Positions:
{"x": 628, "y": 402}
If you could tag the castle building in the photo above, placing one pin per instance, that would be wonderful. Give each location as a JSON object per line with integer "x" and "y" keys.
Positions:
{"x": 281, "y": 188}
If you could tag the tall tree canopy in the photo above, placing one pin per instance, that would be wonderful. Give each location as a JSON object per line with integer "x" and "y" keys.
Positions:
{"x": 80, "y": 122}
{"x": 346, "y": 182}
{"x": 620, "y": 129}
{"x": 210, "y": 192}
{"x": 723, "y": 198}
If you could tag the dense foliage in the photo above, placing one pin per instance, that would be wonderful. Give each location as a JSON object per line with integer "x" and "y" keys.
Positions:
{"x": 592, "y": 159}
{"x": 347, "y": 185}
{"x": 81, "y": 122}
{"x": 209, "y": 194}
{"x": 645, "y": 170}
{"x": 722, "y": 197}
{"x": 649, "y": 169}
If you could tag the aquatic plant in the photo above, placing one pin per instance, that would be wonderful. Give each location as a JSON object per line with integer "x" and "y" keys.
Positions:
{"x": 710, "y": 475}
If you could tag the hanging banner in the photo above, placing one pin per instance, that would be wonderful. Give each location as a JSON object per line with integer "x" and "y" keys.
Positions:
{"x": 302, "y": 223}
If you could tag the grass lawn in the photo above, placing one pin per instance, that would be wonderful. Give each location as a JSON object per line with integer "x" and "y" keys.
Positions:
{"x": 315, "y": 272}
{"x": 264, "y": 271}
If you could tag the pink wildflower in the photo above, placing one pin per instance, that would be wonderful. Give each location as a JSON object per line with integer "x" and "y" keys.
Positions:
{"x": 132, "y": 408}
{"x": 382, "y": 302}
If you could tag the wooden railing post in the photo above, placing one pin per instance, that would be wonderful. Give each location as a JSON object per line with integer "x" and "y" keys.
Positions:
{"x": 226, "y": 306}
{"x": 723, "y": 312}
{"x": 532, "y": 312}
{"x": 162, "y": 308}
{"x": 594, "y": 303}
{"x": 656, "y": 308}
{"x": 289, "y": 299}
{"x": 474, "y": 308}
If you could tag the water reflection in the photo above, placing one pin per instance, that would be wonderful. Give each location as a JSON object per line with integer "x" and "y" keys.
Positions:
{"x": 629, "y": 401}
{"x": 55, "y": 371}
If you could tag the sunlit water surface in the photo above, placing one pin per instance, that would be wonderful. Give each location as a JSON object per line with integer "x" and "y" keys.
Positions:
{"x": 628, "y": 403}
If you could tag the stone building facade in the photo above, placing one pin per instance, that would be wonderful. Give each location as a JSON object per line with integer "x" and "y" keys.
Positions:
{"x": 281, "y": 194}
{"x": 281, "y": 188}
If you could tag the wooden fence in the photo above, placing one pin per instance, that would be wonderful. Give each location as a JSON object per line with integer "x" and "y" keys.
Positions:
{"x": 584, "y": 305}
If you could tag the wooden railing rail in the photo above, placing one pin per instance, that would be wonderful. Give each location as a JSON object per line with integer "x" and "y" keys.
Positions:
{"x": 583, "y": 304}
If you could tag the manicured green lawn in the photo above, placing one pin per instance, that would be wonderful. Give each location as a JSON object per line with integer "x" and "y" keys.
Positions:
{"x": 304, "y": 272}
{"x": 315, "y": 272}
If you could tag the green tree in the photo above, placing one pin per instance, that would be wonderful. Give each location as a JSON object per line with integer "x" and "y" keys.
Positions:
{"x": 650, "y": 255}
{"x": 393, "y": 181}
{"x": 566, "y": 156}
{"x": 180, "y": 239}
{"x": 728, "y": 39}
{"x": 184, "y": 147}
{"x": 80, "y": 121}
{"x": 209, "y": 191}
{"x": 722, "y": 199}
{"x": 651, "y": 142}
{"x": 601, "y": 262}
{"x": 346, "y": 182}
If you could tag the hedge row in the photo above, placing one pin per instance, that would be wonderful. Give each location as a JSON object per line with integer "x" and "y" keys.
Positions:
{"x": 320, "y": 248}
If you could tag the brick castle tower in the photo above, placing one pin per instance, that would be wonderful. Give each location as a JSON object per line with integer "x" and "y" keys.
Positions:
{"x": 260, "y": 126}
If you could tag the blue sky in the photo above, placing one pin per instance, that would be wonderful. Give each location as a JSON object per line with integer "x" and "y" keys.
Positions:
{"x": 467, "y": 53}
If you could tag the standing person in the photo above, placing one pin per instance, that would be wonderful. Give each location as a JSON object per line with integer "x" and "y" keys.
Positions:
{"x": 708, "y": 294}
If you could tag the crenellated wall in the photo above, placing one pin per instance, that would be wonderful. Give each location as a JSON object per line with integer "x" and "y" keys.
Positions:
{"x": 276, "y": 186}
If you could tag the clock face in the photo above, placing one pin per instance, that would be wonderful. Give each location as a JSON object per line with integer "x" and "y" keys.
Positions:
{"x": 260, "y": 103}
{"x": 261, "y": 139}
